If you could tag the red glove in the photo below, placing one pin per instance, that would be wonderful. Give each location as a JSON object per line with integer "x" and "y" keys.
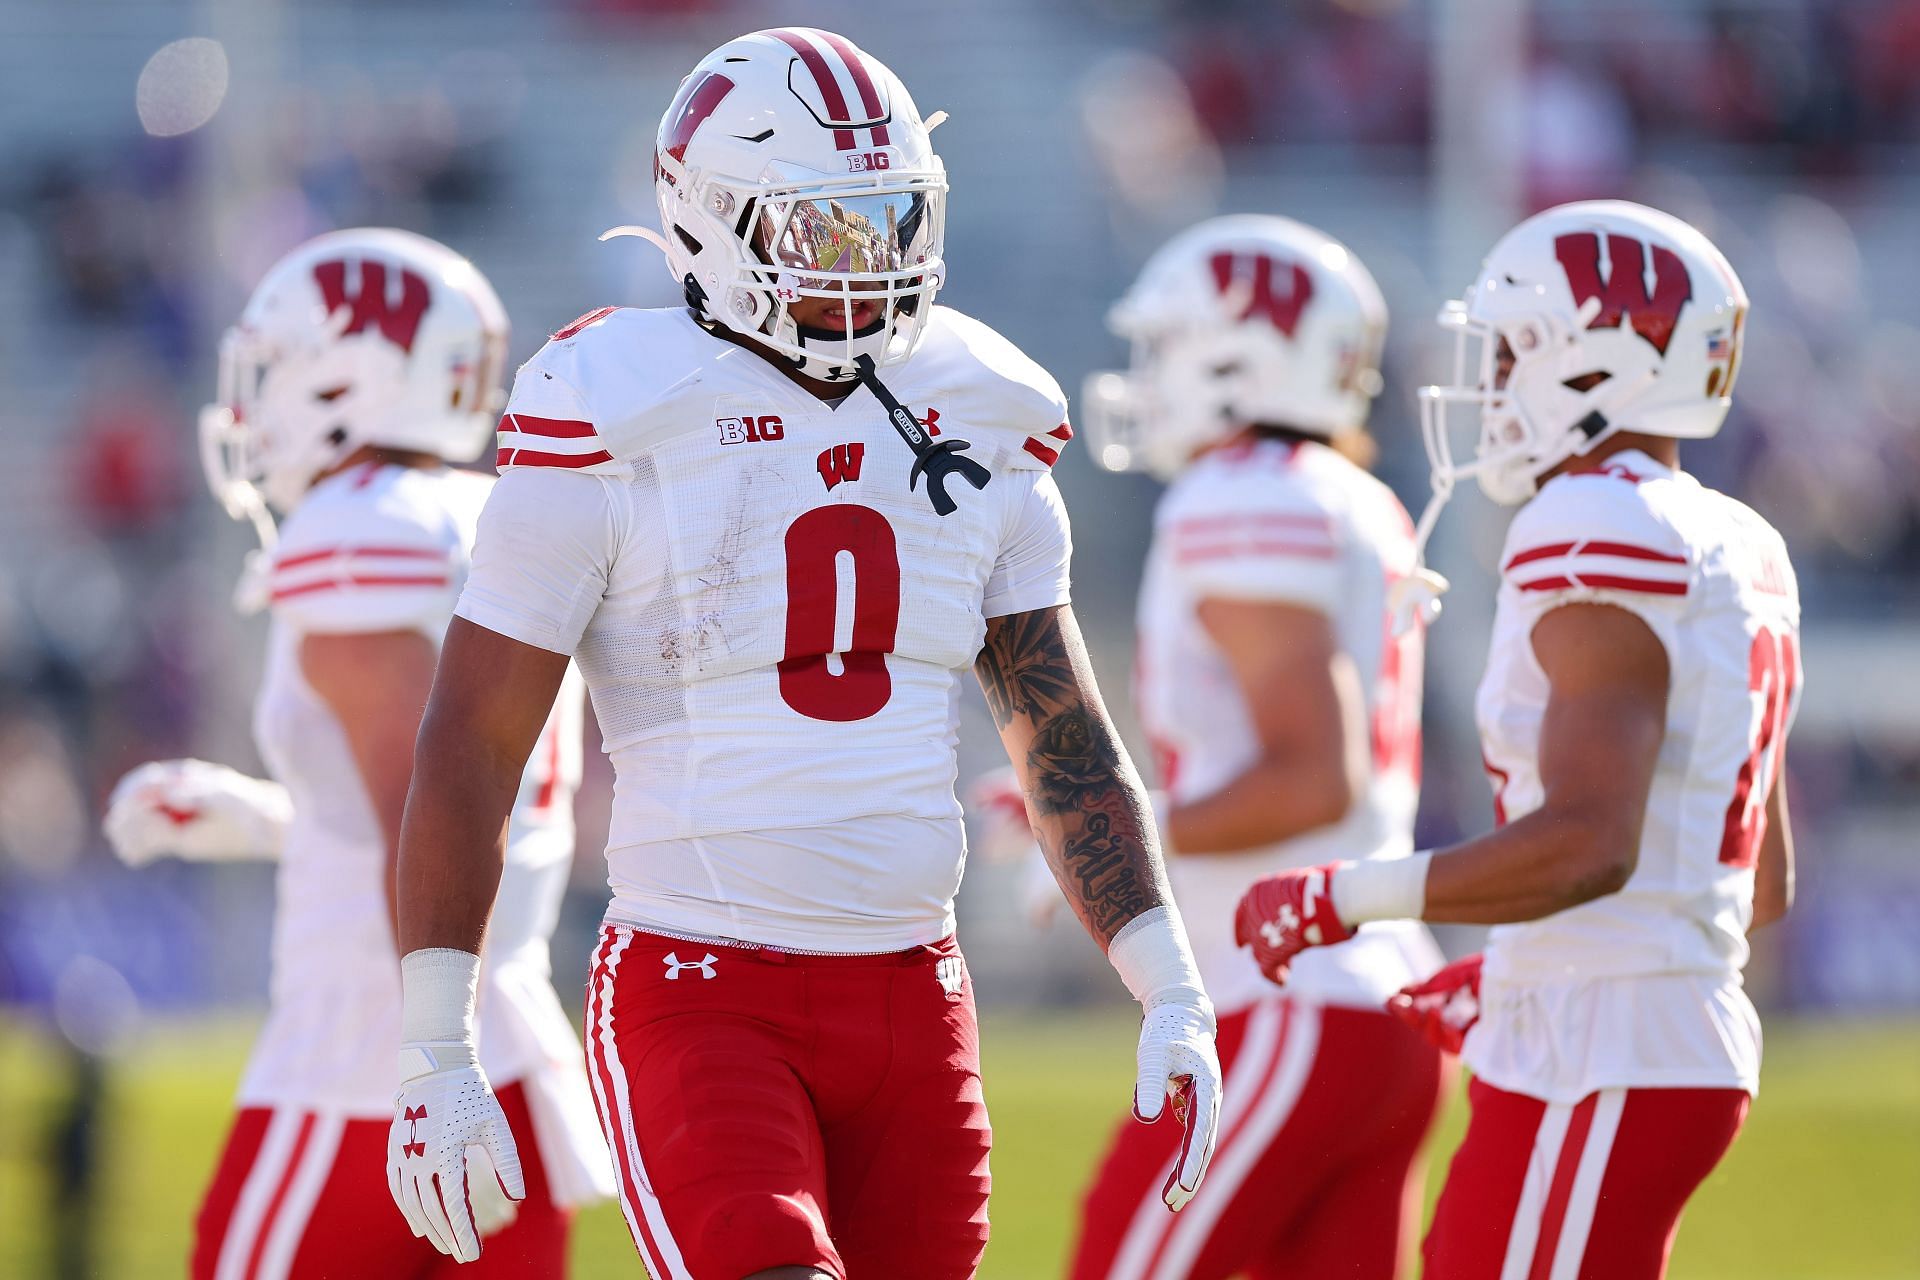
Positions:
{"x": 1445, "y": 1006}
{"x": 1284, "y": 914}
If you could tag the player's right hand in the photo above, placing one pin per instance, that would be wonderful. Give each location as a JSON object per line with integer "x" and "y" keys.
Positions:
{"x": 1445, "y": 1006}
{"x": 1177, "y": 1062}
{"x": 197, "y": 810}
{"x": 444, "y": 1106}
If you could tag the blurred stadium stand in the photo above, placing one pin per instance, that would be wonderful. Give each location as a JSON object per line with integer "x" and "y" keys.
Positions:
{"x": 1082, "y": 133}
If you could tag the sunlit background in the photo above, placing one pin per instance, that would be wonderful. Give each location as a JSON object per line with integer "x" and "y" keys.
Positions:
{"x": 156, "y": 155}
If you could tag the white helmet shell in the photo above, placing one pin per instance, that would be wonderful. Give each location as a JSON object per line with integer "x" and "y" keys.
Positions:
{"x": 364, "y": 337}
{"x": 793, "y": 165}
{"x": 1241, "y": 320}
{"x": 1616, "y": 317}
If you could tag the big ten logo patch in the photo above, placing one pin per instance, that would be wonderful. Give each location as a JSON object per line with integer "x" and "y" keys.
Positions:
{"x": 868, "y": 162}
{"x": 748, "y": 430}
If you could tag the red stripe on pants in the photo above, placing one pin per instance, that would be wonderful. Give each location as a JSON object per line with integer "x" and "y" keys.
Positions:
{"x": 1579, "y": 1124}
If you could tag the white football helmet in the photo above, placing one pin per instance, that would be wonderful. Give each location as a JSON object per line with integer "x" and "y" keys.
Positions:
{"x": 373, "y": 336}
{"x": 792, "y": 165}
{"x": 1615, "y": 317}
{"x": 1241, "y": 320}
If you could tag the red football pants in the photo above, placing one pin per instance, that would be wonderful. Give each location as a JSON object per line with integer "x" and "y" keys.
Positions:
{"x": 1591, "y": 1190}
{"x": 1317, "y": 1170}
{"x": 302, "y": 1195}
{"x": 770, "y": 1109}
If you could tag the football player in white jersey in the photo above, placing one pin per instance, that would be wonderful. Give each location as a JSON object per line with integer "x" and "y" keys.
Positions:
{"x": 776, "y": 526}
{"x": 1634, "y": 713}
{"x": 364, "y": 362}
{"x": 1285, "y": 721}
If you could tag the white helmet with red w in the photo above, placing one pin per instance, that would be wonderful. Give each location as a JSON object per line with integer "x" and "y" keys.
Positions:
{"x": 367, "y": 337}
{"x": 1238, "y": 321}
{"x": 1591, "y": 318}
{"x": 792, "y": 165}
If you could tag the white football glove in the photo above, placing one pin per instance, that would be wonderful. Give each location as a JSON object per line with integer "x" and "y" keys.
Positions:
{"x": 1177, "y": 1061}
{"x": 444, "y": 1107}
{"x": 196, "y": 810}
{"x": 1176, "y": 1058}
{"x": 493, "y": 1210}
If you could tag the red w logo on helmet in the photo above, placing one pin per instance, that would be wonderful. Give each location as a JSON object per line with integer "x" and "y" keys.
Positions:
{"x": 1624, "y": 291}
{"x": 397, "y": 318}
{"x": 1254, "y": 275}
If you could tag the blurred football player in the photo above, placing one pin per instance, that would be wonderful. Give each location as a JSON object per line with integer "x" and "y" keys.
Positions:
{"x": 365, "y": 362}
{"x": 1643, "y": 675}
{"x": 776, "y": 525}
{"x": 1285, "y": 721}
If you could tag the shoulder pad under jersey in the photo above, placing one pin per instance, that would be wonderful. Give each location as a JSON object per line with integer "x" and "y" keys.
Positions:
{"x": 967, "y": 372}
{"x": 609, "y": 386}
{"x": 367, "y": 550}
{"x": 1596, "y": 530}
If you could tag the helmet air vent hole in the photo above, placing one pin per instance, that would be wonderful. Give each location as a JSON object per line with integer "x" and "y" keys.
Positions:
{"x": 1587, "y": 381}
{"x": 693, "y": 246}
{"x": 331, "y": 394}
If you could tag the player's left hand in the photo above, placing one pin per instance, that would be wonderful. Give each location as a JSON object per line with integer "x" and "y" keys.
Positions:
{"x": 445, "y": 1106}
{"x": 1284, "y": 914}
{"x": 1445, "y": 1006}
{"x": 1179, "y": 1065}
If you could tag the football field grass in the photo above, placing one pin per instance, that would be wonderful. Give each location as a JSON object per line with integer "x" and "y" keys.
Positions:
{"x": 1823, "y": 1185}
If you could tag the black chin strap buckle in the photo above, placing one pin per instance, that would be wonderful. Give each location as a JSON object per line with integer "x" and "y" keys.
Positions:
{"x": 937, "y": 459}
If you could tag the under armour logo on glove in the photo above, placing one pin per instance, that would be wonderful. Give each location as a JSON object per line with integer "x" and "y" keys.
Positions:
{"x": 937, "y": 461}
{"x": 1284, "y": 914}
{"x": 675, "y": 968}
{"x": 413, "y": 1146}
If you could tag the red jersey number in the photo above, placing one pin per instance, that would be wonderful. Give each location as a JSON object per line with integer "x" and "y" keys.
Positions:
{"x": 1772, "y": 664}
{"x": 815, "y": 543}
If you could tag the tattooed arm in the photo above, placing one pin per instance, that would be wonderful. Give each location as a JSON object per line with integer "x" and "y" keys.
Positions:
{"x": 1090, "y": 815}
{"x": 1087, "y": 805}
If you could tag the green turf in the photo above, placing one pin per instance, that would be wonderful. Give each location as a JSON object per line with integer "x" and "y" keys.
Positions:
{"x": 1823, "y": 1185}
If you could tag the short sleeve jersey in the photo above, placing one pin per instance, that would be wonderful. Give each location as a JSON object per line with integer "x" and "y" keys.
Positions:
{"x": 1297, "y": 524}
{"x": 1712, "y": 580}
{"x": 771, "y": 617}
{"x": 373, "y": 549}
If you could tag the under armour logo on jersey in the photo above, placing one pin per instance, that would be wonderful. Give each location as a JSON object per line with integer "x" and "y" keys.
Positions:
{"x": 413, "y": 1146}
{"x": 842, "y": 462}
{"x": 1653, "y": 313}
{"x": 675, "y": 968}
{"x": 951, "y": 973}
{"x": 398, "y": 319}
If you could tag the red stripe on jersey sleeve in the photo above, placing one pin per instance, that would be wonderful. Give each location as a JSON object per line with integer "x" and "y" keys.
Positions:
{"x": 1607, "y": 580}
{"x": 517, "y": 457}
{"x": 552, "y": 428}
{"x": 1254, "y": 547}
{"x": 1624, "y": 550}
{"x": 1040, "y": 451}
{"x": 347, "y": 553}
{"x": 366, "y": 580}
{"x": 1062, "y": 432}
{"x": 1252, "y": 520}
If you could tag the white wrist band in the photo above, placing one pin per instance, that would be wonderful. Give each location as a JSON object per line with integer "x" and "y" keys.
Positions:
{"x": 1381, "y": 889}
{"x": 438, "y": 989}
{"x": 1152, "y": 956}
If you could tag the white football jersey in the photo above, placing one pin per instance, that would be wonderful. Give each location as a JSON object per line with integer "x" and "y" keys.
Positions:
{"x": 1295, "y": 524}
{"x": 1642, "y": 987}
{"x": 379, "y": 548}
{"x": 772, "y": 625}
